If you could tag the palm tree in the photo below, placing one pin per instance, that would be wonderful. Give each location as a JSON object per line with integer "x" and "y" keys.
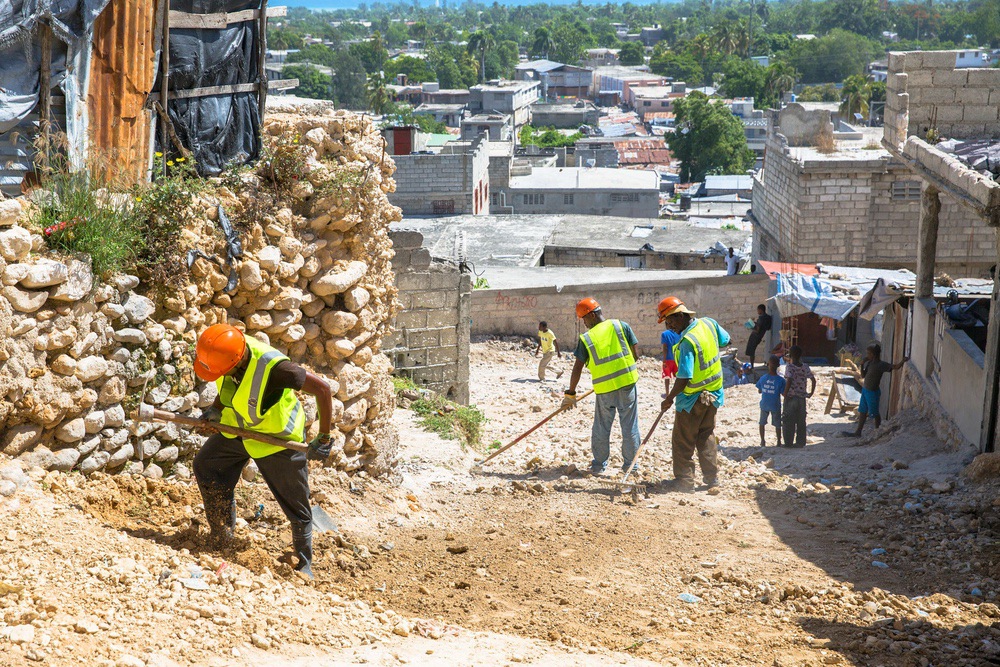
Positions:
{"x": 854, "y": 96}
{"x": 744, "y": 38}
{"x": 543, "y": 42}
{"x": 780, "y": 78}
{"x": 378, "y": 97}
{"x": 480, "y": 42}
{"x": 726, "y": 37}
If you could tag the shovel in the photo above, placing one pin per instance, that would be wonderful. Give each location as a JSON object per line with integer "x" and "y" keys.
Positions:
{"x": 527, "y": 433}
{"x": 145, "y": 412}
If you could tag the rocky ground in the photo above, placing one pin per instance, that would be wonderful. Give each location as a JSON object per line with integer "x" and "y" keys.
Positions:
{"x": 867, "y": 553}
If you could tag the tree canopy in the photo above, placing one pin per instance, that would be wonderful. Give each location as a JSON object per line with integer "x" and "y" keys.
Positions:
{"x": 708, "y": 139}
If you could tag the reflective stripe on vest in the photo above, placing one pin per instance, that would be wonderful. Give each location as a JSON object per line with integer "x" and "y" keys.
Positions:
{"x": 241, "y": 402}
{"x": 609, "y": 357}
{"x": 704, "y": 338}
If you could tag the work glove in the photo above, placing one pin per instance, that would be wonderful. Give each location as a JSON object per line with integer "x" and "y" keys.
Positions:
{"x": 319, "y": 448}
{"x": 569, "y": 400}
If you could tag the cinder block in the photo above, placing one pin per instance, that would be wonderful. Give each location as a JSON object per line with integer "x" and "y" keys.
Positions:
{"x": 980, "y": 113}
{"x": 950, "y": 78}
{"x": 938, "y": 60}
{"x": 429, "y": 300}
{"x": 970, "y": 95}
{"x": 936, "y": 95}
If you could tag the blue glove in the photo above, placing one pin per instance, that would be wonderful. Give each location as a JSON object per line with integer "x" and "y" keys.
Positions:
{"x": 319, "y": 448}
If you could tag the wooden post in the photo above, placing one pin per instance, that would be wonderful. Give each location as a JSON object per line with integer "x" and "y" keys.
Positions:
{"x": 45, "y": 92}
{"x": 261, "y": 59}
{"x": 165, "y": 79}
{"x": 927, "y": 242}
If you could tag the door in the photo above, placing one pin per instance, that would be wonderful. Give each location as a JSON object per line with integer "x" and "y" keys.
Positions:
{"x": 402, "y": 141}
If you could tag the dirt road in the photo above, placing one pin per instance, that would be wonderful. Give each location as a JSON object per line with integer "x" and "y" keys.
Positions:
{"x": 528, "y": 561}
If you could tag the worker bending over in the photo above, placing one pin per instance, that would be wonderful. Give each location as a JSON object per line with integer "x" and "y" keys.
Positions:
{"x": 608, "y": 350}
{"x": 257, "y": 386}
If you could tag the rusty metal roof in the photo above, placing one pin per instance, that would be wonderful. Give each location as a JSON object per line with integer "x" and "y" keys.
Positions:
{"x": 634, "y": 152}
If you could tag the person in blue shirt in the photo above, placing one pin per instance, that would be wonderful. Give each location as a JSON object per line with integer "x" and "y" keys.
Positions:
{"x": 771, "y": 386}
{"x": 697, "y": 393}
{"x": 668, "y": 339}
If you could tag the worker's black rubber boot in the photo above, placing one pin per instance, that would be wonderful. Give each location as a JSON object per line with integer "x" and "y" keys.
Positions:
{"x": 302, "y": 545}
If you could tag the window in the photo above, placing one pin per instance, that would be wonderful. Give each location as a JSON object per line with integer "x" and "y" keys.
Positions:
{"x": 568, "y": 200}
{"x": 624, "y": 197}
{"x": 906, "y": 190}
{"x": 534, "y": 200}
{"x": 647, "y": 104}
{"x": 494, "y": 199}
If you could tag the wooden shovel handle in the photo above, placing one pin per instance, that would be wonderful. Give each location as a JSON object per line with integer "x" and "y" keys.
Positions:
{"x": 530, "y": 431}
{"x": 205, "y": 425}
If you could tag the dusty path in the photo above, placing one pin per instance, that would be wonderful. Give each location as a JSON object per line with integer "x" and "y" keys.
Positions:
{"x": 547, "y": 570}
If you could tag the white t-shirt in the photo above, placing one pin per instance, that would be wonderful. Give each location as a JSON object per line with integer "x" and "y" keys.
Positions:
{"x": 732, "y": 264}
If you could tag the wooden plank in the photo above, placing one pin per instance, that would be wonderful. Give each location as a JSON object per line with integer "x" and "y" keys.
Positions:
{"x": 231, "y": 89}
{"x": 45, "y": 92}
{"x": 261, "y": 59}
{"x": 220, "y": 20}
{"x": 165, "y": 83}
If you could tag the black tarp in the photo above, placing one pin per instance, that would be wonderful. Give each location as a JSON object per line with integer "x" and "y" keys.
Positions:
{"x": 221, "y": 130}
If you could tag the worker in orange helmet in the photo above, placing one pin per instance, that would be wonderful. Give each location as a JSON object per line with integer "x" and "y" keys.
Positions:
{"x": 697, "y": 392}
{"x": 607, "y": 349}
{"x": 257, "y": 386}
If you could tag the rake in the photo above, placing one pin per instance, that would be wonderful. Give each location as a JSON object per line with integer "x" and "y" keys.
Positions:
{"x": 524, "y": 435}
{"x": 624, "y": 486}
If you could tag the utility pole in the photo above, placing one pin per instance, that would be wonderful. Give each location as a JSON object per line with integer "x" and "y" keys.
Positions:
{"x": 750, "y": 45}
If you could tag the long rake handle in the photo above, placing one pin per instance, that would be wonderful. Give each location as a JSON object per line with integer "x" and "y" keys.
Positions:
{"x": 642, "y": 446}
{"x": 205, "y": 425}
{"x": 530, "y": 431}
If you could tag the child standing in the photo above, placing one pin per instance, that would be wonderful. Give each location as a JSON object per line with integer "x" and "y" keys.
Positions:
{"x": 668, "y": 339}
{"x": 871, "y": 374}
{"x": 771, "y": 386}
{"x": 549, "y": 347}
{"x": 793, "y": 420}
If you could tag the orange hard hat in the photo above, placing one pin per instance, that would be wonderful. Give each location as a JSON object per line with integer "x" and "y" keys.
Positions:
{"x": 671, "y": 305}
{"x": 220, "y": 348}
{"x": 586, "y": 306}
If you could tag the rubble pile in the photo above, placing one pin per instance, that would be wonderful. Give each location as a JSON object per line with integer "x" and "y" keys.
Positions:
{"x": 314, "y": 280}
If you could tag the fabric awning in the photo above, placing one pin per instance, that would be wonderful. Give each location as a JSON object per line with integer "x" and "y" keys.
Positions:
{"x": 798, "y": 294}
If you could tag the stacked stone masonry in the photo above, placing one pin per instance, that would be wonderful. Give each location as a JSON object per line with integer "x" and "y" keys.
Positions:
{"x": 730, "y": 300}
{"x": 315, "y": 281}
{"x": 430, "y": 343}
{"x": 857, "y": 209}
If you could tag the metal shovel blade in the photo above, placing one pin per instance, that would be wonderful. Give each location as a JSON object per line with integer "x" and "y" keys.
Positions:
{"x": 322, "y": 523}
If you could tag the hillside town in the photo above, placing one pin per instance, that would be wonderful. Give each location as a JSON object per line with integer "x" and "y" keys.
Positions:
{"x": 437, "y": 334}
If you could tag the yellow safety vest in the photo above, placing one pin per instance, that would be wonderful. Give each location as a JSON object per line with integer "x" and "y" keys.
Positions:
{"x": 241, "y": 403}
{"x": 704, "y": 338}
{"x": 610, "y": 359}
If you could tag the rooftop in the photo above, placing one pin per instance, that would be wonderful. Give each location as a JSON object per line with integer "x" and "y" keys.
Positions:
{"x": 443, "y": 108}
{"x": 539, "y": 65}
{"x": 505, "y": 86}
{"x": 655, "y": 92}
{"x": 622, "y": 71}
{"x": 630, "y": 235}
{"x": 579, "y": 178}
{"x": 560, "y": 276}
{"x": 729, "y": 182}
{"x": 486, "y": 240}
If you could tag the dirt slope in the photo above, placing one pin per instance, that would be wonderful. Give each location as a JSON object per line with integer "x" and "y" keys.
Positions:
{"x": 526, "y": 561}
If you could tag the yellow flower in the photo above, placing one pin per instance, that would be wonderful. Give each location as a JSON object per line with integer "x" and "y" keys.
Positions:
{"x": 170, "y": 163}
{"x": 159, "y": 154}
{"x": 138, "y": 198}
{"x": 180, "y": 159}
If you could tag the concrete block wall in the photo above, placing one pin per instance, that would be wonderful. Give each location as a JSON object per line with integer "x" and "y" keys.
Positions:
{"x": 924, "y": 90}
{"x": 425, "y": 182}
{"x": 729, "y": 300}
{"x": 430, "y": 341}
{"x": 585, "y": 202}
{"x": 840, "y": 210}
{"x": 566, "y": 256}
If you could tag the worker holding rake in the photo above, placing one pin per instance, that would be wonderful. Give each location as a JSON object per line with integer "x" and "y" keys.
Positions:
{"x": 607, "y": 349}
{"x": 257, "y": 386}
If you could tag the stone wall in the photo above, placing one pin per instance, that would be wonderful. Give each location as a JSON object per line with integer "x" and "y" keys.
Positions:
{"x": 729, "y": 300}
{"x": 430, "y": 343}
{"x": 840, "y": 209}
{"x": 314, "y": 281}
{"x": 443, "y": 183}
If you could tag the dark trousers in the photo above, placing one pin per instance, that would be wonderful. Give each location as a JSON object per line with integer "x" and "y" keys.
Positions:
{"x": 694, "y": 431}
{"x": 793, "y": 421}
{"x": 218, "y": 467}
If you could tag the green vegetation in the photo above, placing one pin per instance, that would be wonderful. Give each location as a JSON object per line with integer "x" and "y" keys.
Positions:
{"x": 546, "y": 137}
{"x": 632, "y": 53}
{"x": 438, "y": 415}
{"x": 709, "y": 139}
{"x": 132, "y": 229}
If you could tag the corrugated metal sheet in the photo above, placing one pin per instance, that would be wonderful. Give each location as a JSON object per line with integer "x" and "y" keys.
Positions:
{"x": 122, "y": 73}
